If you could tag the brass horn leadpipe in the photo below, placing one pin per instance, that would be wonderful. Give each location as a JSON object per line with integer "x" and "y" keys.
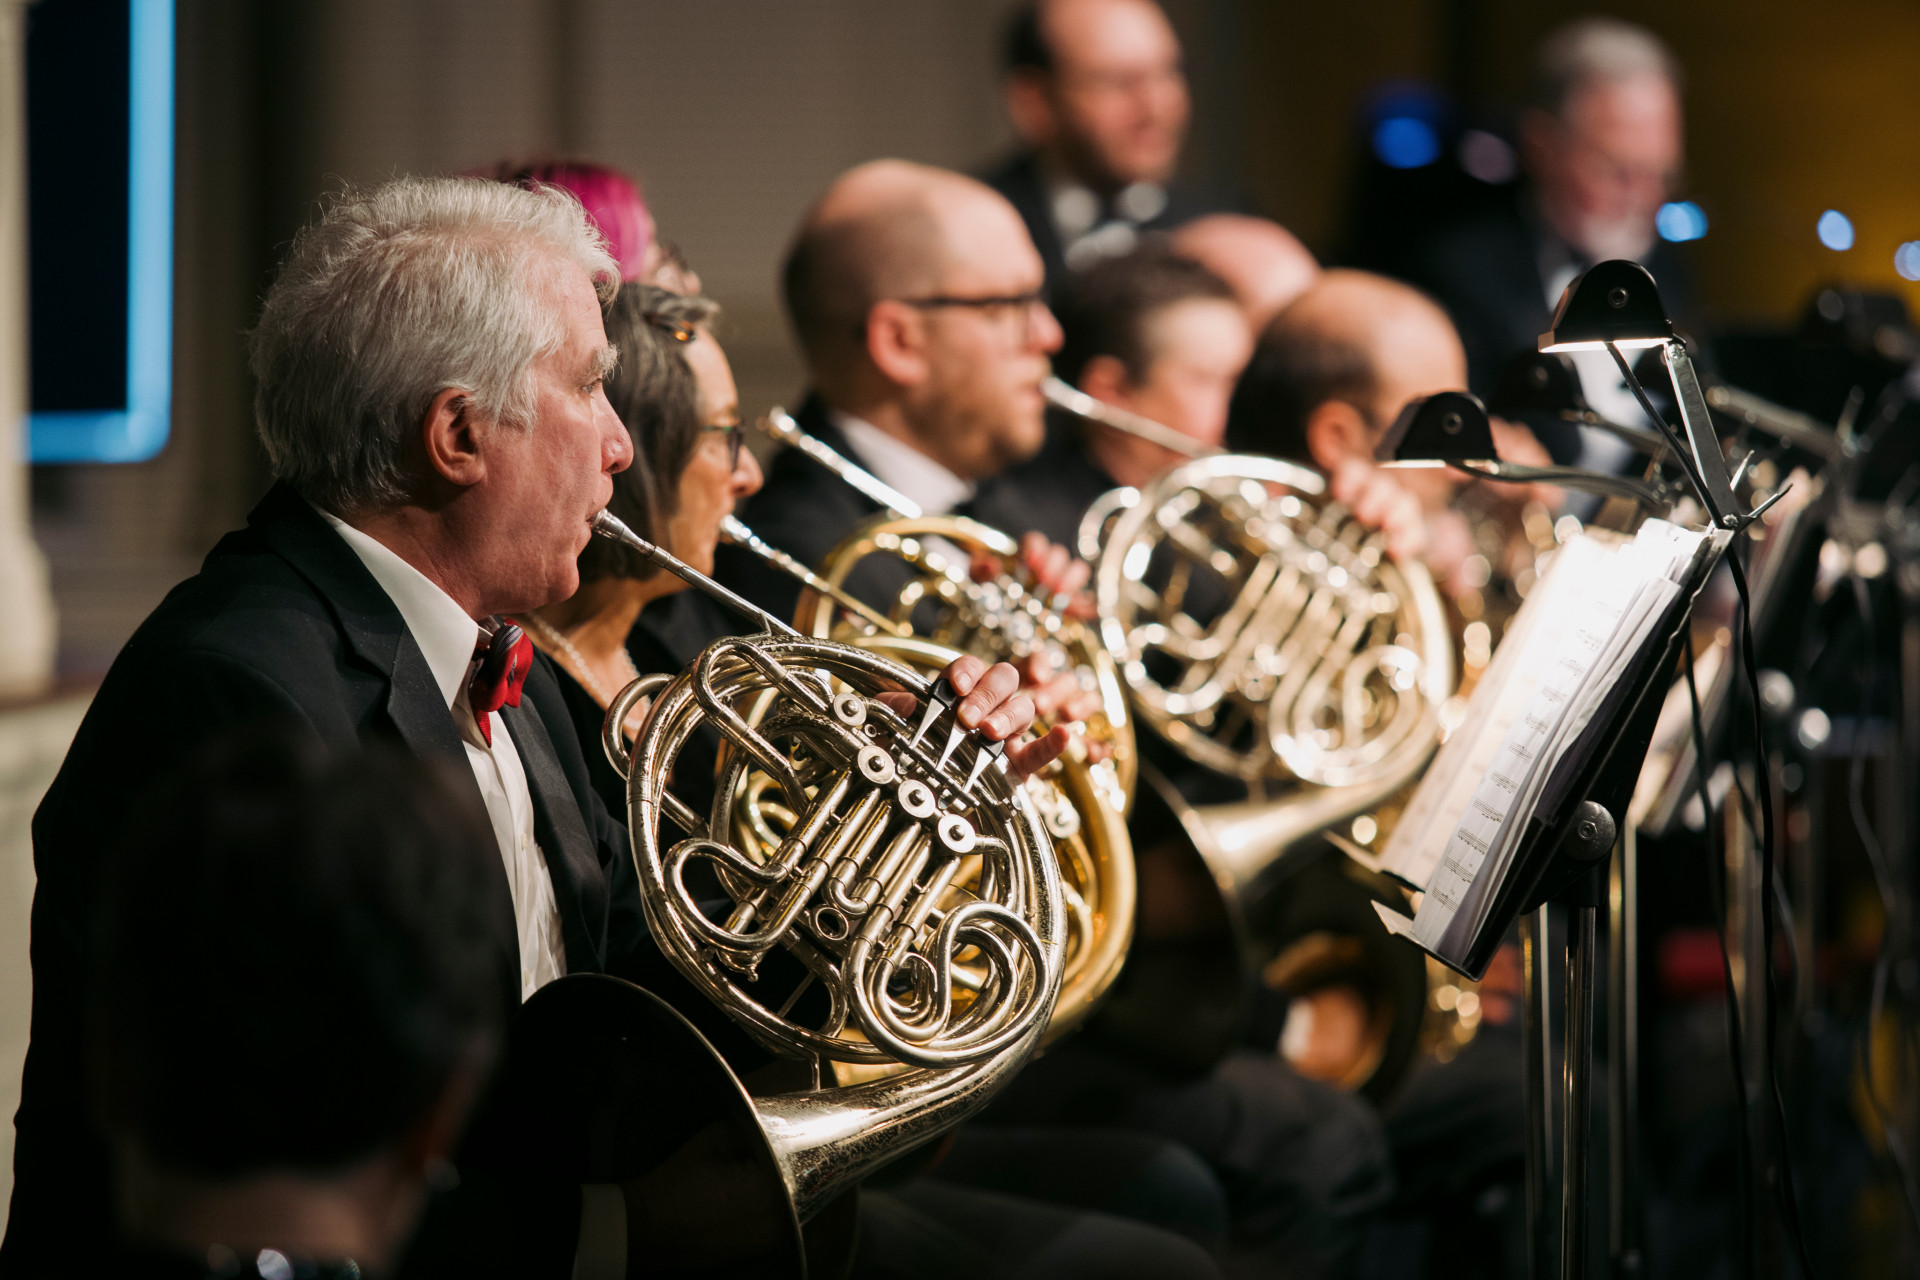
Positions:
{"x": 1062, "y": 395}
{"x": 739, "y": 535}
{"x": 780, "y": 425}
{"x": 608, "y": 525}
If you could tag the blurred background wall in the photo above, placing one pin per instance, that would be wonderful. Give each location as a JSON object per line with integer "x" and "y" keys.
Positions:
{"x": 736, "y": 112}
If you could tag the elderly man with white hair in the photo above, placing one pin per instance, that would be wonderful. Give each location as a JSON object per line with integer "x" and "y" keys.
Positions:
{"x": 1602, "y": 145}
{"x": 429, "y": 367}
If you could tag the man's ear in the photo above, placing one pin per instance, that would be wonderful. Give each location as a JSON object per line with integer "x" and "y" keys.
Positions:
{"x": 1030, "y": 107}
{"x": 897, "y": 342}
{"x": 450, "y": 436}
{"x": 1105, "y": 378}
{"x": 1336, "y": 432}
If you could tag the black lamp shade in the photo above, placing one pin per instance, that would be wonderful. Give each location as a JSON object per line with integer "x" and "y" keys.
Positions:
{"x": 1614, "y": 301}
{"x": 1435, "y": 430}
{"x": 1538, "y": 382}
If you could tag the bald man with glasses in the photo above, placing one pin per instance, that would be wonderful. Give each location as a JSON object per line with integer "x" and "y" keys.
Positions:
{"x": 918, "y": 300}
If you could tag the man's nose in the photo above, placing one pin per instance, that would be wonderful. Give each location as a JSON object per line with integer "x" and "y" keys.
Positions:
{"x": 1044, "y": 331}
{"x": 747, "y": 477}
{"x": 616, "y": 444}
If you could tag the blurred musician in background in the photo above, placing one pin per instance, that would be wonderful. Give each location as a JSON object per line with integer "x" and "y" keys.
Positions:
{"x": 615, "y": 205}
{"x": 915, "y": 294}
{"x": 1150, "y": 332}
{"x": 299, "y": 996}
{"x": 1097, "y": 93}
{"x": 1326, "y": 381}
{"x": 1602, "y": 145}
{"x": 1264, "y": 264}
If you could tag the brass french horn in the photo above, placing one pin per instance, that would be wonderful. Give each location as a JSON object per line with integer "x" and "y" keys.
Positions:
{"x": 1266, "y": 637}
{"x": 889, "y": 924}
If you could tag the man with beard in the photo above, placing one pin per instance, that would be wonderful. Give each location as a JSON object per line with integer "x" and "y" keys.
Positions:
{"x": 1097, "y": 93}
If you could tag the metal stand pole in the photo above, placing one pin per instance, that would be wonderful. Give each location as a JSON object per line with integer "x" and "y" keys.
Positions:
{"x": 1576, "y": 1115}
{"x": 1536, "y": 930}
{"x": 1627, "y": 1229}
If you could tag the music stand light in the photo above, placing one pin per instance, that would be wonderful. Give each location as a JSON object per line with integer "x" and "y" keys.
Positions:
{"x": 1451, "y": 429}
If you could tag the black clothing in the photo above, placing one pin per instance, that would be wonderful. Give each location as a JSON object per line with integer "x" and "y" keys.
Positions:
{"x": 1304, "y": 1165}
{"x": 282, "y": 624}
{"x": 805, "y": 510}
{"x": 1019, "y": 179}
{"x": 1049, "y": 492}
{"x": 1486, "y": 272}
{"x": 222, "y": 1263}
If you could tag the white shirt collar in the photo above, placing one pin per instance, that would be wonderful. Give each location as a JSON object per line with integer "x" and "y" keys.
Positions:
{"x": 442, "y": 629}
{"x": 912, "y": 472}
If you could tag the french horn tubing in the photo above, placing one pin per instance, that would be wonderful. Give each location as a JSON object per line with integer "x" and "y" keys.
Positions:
{"x": 1076, "y": 799}
{"x": 889, "y": 920}
{"x": 1264, "y": 635}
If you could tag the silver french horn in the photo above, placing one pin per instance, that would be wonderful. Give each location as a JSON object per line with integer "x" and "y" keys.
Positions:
{"x": 869, "y": 896}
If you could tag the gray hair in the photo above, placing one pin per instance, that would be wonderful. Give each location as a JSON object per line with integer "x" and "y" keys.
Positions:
{"x": 1598, "y": 50}
{"x": 395, "y": 295}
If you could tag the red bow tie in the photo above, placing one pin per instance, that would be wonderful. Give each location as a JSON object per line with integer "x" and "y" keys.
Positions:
{"x": 504, "y": 661}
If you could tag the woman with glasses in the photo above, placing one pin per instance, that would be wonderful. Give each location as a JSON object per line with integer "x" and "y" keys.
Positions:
{"x": 674, "y": 391}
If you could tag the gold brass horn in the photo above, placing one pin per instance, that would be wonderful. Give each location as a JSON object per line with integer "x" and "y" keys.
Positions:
{"x": 891, "y": 923}
{"x": 1075, "y": 798}
{"x": 1265, "y": 634}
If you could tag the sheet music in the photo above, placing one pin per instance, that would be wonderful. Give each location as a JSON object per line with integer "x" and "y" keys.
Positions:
{"x": 1603, "y": 608}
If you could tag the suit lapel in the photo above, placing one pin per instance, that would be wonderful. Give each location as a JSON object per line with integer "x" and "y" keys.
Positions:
{"x": 579, "y": 885}
{"x": 378, "y": 637}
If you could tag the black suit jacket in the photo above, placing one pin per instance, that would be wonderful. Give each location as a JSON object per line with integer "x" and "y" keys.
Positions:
{"x": 1049, "y": 492}
{"x": 1486, "y": 272}
{"x": 805, "y": 510}
{"x": 282, "y": 624}
{"x": 1018, "y": 179}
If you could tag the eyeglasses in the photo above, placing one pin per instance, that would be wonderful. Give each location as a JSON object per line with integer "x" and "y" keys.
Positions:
{"x": 995, "y": 305}
{"x": 735, "y": 437}
{"x": 678, "y": 330}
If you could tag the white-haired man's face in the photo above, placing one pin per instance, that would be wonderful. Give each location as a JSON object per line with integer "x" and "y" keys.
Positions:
{"x": 1607, "y": 163}
{"x": 540, "y": 487}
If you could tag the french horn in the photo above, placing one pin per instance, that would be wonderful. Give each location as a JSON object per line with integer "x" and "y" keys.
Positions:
{"x": 1264, "y": 636}
{"x": 888, "y": 924}
{"x": 1078, "y": 800}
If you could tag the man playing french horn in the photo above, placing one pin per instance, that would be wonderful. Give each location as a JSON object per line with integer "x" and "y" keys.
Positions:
{"x": 430, "y": 364}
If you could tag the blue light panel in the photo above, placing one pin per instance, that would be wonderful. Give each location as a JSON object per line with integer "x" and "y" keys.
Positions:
{"x": 137, "y": 431}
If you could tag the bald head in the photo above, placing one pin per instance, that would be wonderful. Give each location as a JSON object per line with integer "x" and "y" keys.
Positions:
{"x": 1350, "y": 352}
{"x": 887, "y": 229}
{"x": 1261, "y": 261}
{"x": 915, "y": 293}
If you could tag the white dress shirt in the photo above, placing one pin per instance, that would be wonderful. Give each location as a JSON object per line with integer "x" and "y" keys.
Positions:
{"x": 447, "y": 636}
{"x": 912, "y": 472}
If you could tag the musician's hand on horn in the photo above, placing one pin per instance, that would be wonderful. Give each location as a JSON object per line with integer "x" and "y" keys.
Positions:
{"x": 1379, "y": 502}
{"x": 1059, "y": 576}
{"x": 992, "y": 703}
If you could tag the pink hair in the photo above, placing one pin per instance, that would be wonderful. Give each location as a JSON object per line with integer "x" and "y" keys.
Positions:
{"x": 611, "y": 198}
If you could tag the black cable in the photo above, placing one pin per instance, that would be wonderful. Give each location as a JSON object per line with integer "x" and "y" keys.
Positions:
{"x": 1716, "y": 885}
{"x": 1764, "y": 788}
{"x": 1889, "y": 905}
{"x": 1763, "y": 785}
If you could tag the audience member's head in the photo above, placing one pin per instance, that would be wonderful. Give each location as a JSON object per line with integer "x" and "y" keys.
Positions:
{"x": 1157, "y": 334}
{"x": 301, "y": 990}
{"x": 1096, "y": 87}
{"x": 1332, "y": 372}
{"x": 675, "y": 392}
{"x": 1261, "y": 261}
{"x": 1603, "y": 136}
{"x": 430, "y": 357}
{"x": 915, "y": 295}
